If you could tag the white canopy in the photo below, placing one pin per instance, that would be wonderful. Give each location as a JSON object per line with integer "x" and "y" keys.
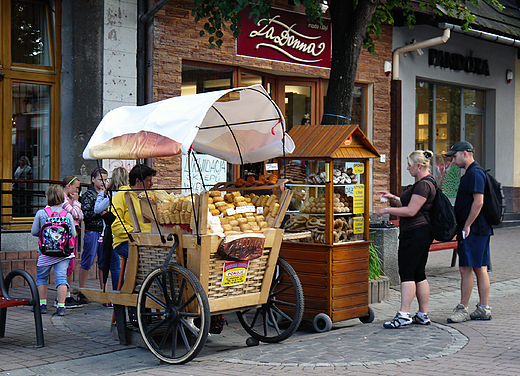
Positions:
{"x": 226, "y": 124}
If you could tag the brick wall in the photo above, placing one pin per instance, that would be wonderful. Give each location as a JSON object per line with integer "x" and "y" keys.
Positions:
{"x": 176, "y": 37}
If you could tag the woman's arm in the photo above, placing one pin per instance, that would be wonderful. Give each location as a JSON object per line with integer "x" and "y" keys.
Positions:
{"x": 411, "y": 210}
{"x": 35, "y": 229}
{"x": 101, "y": 203}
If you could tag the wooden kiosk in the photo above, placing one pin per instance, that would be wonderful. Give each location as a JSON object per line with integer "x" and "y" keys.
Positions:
{"x": 329, "y": 171}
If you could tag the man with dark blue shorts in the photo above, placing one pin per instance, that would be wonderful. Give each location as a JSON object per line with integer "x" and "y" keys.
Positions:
{"x": 473, "y": 234}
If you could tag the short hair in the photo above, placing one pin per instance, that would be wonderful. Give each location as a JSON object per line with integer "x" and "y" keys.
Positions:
{"x": 119, "y": 178}
{"x": 420, "y": 157}
{"x": 55, "y": 195}
{"x": 140, "y": 172}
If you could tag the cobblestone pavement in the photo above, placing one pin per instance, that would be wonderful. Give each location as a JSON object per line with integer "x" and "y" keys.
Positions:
{"x": 81, "y": 342}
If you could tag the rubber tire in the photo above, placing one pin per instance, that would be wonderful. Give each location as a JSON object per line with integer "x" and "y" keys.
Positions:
{"x": 322, "y": 323}
{"x": 171, "y": 318}
{"x": 368, "y": 318}
{"x": 275, "y": 305}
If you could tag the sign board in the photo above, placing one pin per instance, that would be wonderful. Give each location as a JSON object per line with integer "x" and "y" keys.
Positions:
{"x": 359, "y": 199}
{"x": 234, "y": 273}
{"x": 212, "y": 171}
{"x": 286, "y": 36}
{"x": 359, "y": 225}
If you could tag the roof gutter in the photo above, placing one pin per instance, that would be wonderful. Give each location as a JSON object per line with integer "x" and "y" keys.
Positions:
{"x": 481, "y": 34}
{"x": 412, "y": 47}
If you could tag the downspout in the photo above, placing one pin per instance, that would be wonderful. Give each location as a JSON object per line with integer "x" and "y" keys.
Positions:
{"x": 412, "y": 47}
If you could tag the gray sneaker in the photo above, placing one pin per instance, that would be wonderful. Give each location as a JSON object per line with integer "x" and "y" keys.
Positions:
{"x": 460, "y": 314}
{"x": 481, "y": 313}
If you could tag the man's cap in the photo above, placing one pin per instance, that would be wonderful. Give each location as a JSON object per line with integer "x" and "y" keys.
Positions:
{"x": 460, "y": 146}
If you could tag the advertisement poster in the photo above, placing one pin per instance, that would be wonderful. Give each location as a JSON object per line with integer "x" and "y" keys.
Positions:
{"x": 234, "y": 273}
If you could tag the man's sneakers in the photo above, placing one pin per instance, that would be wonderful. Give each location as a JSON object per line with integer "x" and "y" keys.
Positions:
{"x": 481, "y": 313}
{"x": 461, "y": 314}
{"x": 423, "y": 319}
{"x": 398, "y": 321}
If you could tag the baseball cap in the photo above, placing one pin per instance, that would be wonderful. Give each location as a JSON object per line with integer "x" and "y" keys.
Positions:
{"x": 460, "y": 146}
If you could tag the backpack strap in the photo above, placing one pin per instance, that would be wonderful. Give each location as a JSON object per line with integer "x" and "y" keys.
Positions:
{"x": 49, "y": 211}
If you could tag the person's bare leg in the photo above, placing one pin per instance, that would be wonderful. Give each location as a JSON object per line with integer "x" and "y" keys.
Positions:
{"x": 466, "y": 284}
{"x": 407, "y": 295}
{"x": 482, "y": 284}
{"x": 83, "y": 274}
{"x": 423, "y": 295}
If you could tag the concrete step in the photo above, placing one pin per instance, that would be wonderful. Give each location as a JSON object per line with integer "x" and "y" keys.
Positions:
{"x": 510, "y": 220}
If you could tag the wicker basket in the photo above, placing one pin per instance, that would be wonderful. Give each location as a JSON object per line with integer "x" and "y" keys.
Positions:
{"x": 150, "y": 258}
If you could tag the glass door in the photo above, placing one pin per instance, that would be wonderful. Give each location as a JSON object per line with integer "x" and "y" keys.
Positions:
{"x": 299, "y": 103}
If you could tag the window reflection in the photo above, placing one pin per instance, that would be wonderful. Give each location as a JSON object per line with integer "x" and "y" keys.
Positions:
{"x": 30, "y": 37}
{"x": 197, "y": 79}
{"x": 31, "y": 147}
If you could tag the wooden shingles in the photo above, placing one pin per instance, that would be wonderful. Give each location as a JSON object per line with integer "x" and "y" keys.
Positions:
{"x": 328, "y": 141}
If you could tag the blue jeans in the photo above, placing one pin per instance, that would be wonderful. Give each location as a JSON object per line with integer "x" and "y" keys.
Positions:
{"x": 60, "y": 273}
{"x": 122, "y": 249}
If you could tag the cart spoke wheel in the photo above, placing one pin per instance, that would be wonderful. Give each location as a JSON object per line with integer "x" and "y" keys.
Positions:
{"x": 279, "y": 318}
{"x": 167, "y": 306}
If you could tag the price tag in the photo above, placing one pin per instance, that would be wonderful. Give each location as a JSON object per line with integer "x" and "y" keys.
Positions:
{"x": 242, "y": 209}
{"x": 260, "y": 210}
{"x": 230, "y": 211}
{"x": 271, "y": 166}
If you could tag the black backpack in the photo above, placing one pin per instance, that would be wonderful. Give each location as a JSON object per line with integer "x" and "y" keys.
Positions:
{"x": 442, "y": 216}
{"x": 494, "y": 199}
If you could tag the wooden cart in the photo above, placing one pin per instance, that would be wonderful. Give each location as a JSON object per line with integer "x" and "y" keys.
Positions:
{"x": 177, "y": 285}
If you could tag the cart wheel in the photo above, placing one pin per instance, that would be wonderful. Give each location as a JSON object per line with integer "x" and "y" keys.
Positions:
{"x": 322, "y": 323}
{"x": 166, "y": 309}
{"x": 368, "y": 318}
{"x": 285, "y": 300}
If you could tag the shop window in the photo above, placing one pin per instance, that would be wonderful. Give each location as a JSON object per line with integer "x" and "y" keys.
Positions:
{"x": 31, "y": 145}
{"x": 198, "y": 79}
{"x": 248, "y": 79}
{"x": 30, "y": 35}
{"x": 444, "y": 116}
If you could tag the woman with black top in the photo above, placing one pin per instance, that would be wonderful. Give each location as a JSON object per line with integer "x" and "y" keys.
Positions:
{"x": 414, "y": 208}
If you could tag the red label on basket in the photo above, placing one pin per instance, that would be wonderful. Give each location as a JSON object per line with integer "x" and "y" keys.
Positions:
{"x": 234, "y": 273}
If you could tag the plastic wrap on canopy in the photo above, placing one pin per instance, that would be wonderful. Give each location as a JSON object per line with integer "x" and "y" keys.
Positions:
{"x": 240, "y": 125}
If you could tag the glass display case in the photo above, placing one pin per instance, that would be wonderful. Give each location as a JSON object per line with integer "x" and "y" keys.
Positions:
{"x": 326, "y": 236}
{"x": 309, "y": 207}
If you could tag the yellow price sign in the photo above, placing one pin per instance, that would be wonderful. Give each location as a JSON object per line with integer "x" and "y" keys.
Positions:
{"x": 359, "y": 199}
{"x": 359, "y": 168}
{"x": 359, "y": 225}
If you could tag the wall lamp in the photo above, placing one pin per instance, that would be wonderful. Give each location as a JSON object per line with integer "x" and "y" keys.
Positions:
{"x": 509, "y": 76}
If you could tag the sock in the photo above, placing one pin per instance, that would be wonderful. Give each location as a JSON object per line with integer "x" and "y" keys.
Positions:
{"x": 68, "y": 294}
{"x": 484, "y": 306}
{"x": 420, "y": 314}
{"x": 61, "y": 305}
{"x": 43, "y": 301}
{"x": 404, "y": 313}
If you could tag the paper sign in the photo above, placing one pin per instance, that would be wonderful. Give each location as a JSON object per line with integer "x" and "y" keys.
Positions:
{"x": 359, "y": 199}
{"x": 234, "y": 273}
{"x": 230, "y": 211}
{"x": 260, "y": 210}
{"x": 359, "y": 168}
{"x": 359, "y": 225}
{"x": 271, "y": 166}
{"x": 245, "y": 209}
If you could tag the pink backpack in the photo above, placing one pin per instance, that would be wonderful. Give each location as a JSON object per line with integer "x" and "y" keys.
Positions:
{"x": 55, "y": 235}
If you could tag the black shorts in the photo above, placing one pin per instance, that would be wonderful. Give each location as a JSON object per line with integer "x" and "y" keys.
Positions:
{"x": 412, "y": 255}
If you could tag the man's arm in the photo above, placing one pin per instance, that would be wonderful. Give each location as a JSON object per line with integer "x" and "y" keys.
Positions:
{"x": 476, "y": 206}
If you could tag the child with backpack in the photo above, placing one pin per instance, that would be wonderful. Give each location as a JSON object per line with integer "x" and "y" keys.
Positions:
{"x": 71, "y": 186}
{"x": 55, "y": 228}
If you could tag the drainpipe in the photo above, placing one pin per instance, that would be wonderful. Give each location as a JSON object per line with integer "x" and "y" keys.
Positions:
{"x": 412, "y": 47}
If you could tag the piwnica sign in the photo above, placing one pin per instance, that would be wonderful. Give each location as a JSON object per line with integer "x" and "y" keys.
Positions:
{"x": 458, "y": 62}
